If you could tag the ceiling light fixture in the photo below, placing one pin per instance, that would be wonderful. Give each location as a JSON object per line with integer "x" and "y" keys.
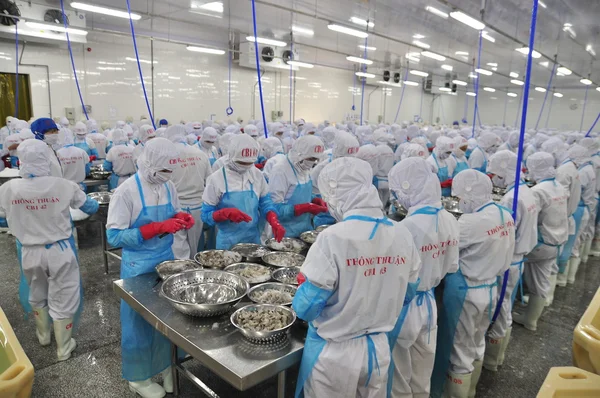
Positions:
{"x": 459, "y": 82}
{"x": 597, "y": 88}
{"x": 490, "y": 89}
{"x": 540, "y": 89}
{"x": 569, "y": 29}
{"x": 437, "y": 12}
{"x": 492, "y": 64}
{"x": 301, "y": 64}
{"x": 517, "y": 82}
{"x": 418, "y": 36}
{"x": 525, "y": 51}
{"x": 359, "y": 60}
{"x": 467, "y": 20}
{"x": 585, "y": 81}
{"x": 367, "y": 48}
{"x": 471, "y": 94}
{"x": 445, "y": 89}
{"x": 303, "y": 31}
{"x": 348, "y": 31}
{"x": 215, "y": 6}
{"x": 447, "y": 67}
{"x": 590, "y": 50}
{"x": 143, "y": 61}
{"x": 484, "y": 71}
{"x": 205, "y": 50}
{"x": 421, "y": 44}
{"x": 363, "y": 74}
{"x": 56, "y": 28}
{"x": 461, "y": 53}
{"x": 362, "y": 22}
{"x": 486, "y": 36}
{"x": 542, "y": 4}
{"x": 410, "y": 83}
{"x": 269, "y": 42}
{"x": 419, "y": 73}
{"x": 106, "y": 11}
{"x": 432, "y": 55}
{"x": 564, "y": 71}
{"x": 413, "y": 57}
{"x": 559, "y": 95}
{"x": 560, "y": 74}
{"x": 512, "y": 94}
{"x": 513, "y": 74}
{"x": 545, "y": 64}
{"x": 472, "y": 75}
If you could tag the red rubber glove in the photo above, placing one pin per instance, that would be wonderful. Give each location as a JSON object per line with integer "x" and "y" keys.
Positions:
{"x": 311, "y": 208}
{"x": 92, "y": 158}
{"x": 6, "y": 161}
{"x": 278, "y": 230}
{"x": 319, "y": 202}
{"x": 186, "y": 218}
{"x": 431, "y": 149}
{"x": 301, "y": 279}
{"x": 447, "y": 183}
{"x": 231, "y": 214}
{"x": 260, "y": 166}
{"x": 169, "y": 226}
{"x": 524, "y": 169}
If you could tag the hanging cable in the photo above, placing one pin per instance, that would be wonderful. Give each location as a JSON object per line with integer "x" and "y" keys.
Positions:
{"x": 546, "y": 94}
{"x": 401, "y": 93}
{"x": 64, "y": 17}
{"x": 364, "y": 80}
{"x": 137, "y": 57}
{"x": 519, "y": 107}
{"x": 229, "y": 110}
{"x": 353, "y": 92}
{"x": 593, "y": 125}
{"x": 291, "y": 74}
{"x": 505, "y": 106}
{"x": 442, "y": 109}
{"x": 260, "y": 91}
{"x": 17, "y": 68}
{"x": 549, "y": 111}
{"x": 584, "y": 105}
{"x": 475, "y": 110}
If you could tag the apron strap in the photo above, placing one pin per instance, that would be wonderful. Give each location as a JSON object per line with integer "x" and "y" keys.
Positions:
{"x": 372, "y": 356}
{"x": 293, "y": 169}
{"x": 225, "y": 178}
{"x": 377, "y": 221}
{"x": 520, "y": 281}
{"x": 428, "y": 296}
{"x": 488, "y": 286}
{"x": 140, "y": 191}
{"x": 430, "y": 211}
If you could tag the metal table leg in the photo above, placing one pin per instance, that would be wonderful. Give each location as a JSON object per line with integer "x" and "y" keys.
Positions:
{"x": 104, "y": 245}
{"x": 174, "y": 369}
{"x": 281, "y": 385}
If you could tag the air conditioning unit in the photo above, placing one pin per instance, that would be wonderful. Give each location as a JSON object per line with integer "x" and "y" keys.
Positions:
{"x": 427, "y": 84}
{"x": 270, "y": 57}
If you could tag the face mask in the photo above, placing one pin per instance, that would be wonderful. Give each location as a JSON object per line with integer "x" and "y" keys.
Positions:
{"x": 240, "y": 168}
{"x": 160, "y": 177}
{"x": 207, "y": 144}
{"x": 306, "y": 164}
{"x": 51, "y": 139}
{"x": 499, "y": 181}
{"x": 443, "y": 156}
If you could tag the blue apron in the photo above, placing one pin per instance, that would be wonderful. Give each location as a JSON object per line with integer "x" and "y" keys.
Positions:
{"x": 302, "y": 194}
{"x": 324, "y": 218}
{"x": 84, "y": 145}
{"x": 14, "y": 162}
{"x": 563, "y": 259}
{"x": 145, "y": 351}
{"x": 483, "y": 167}
{"x": 230, "y": 233}
{"x": 468, "y": 153}
{"x": 460, "y": 166}
{"x": 314, "y": 344}
{"x": 211, "y": 154}
{"x": 442, "y": 174}
{"x": 189, "y": 211}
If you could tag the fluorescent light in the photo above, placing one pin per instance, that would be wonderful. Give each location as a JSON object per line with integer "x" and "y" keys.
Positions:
{"x": 461, "y": 53}
{"x": 410, "y": 83}
{"x": 517, "y": 82}
{"x": 174, "y": 77}
{"x": 540, "y": 89}
{"x": 492, "y": 64}
{"x": 459, "y": 82}
{"x": 205, "y": 50}
{"x": 106, "y": 11}
{"x": 490, "y": 89}
{"x": 418, "y": 36}
{"x": 545, "y": 64}
{"x": 348, "y": 31}
{"x": 494, "y": 98}
{"x": 300, "y": 64}
{"x": 215, "y": 6}
{"x": 467, "y": 20}
{"x": 512, "y": 94}
{"x": 494, "y": 69}
{"x": 363, "y": 74}
{"x": 361, "y": 22}
{"x": 413, "y": 57}
{"x": 437, "y": 12}
{"x": 421, "y": 44}
{"x": 303, "y": 31}
{"x": 525, "y": 51}
{"x": 488, "y": 37}
{"x": 513, "y": 74}
{"x": 419, "y": 73}
{"x": 560, "y": 74}
{"x": 542, "y": 4}
{"x": 590, "y": 50}
{"x": 368, "y": 48}
{"x": 270, "y": 42}
{"x": 484, "y": 72}
{"x": 597, "y": 88}
{"x": 142, "y": 61}
{"x": 564, "y": 71}
{"x": 56, "y": 28}
{"x": 471, "y": 94}
{"x": 299, "y": 78}
{"x": 559, "y": 95}
{"x": 445, "y": 89}
{"x": 359, "y": 60}
{"x": 568, "y": 28}
{"x": 447, "y": 67}
{"x": 435, "y": 56}
{"x": 585, "y": 81}
{"x": 472, "y": 75}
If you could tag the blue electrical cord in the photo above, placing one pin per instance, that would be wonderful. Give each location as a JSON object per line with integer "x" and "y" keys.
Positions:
{"x": 593, "y": 125}
{"x": 583, "y": 110}
{"x": 401, "y": 94}
{"x": 229, "y": 110}
{"x": 545, "y": 96}
{"x": 262, "y": 105}
{"x": 549, "y": 110}
{"x": 137, "y": 57}
{"x": 17, "y": 69}
{"x": 62, "y": 7}
{"x": 475, "y": 110}
{"x": 291, "y": 78}
{"x": 362, "y": 96}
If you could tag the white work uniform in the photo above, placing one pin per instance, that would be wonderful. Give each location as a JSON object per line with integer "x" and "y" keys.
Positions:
{"x": 73, "y": 161}
{"x": 189, "y": 178}
{"x": 121, "y": 157}
{"x": 215, "y": 185}
{"x": 55, "y": 167}
{"x": 568, "y": 177}
{"x": 220, "y": 162}
{"x": 37, "y": 210}
{"x": 101, "y": 143}
{"x": 385, "y": 162}
{"x": 553, "y": 231}
{"x": 486, "y": 248}
{"x": 280, "y": 157}
{"x": 478, "y": 158}
{"x": 587, "y": 176}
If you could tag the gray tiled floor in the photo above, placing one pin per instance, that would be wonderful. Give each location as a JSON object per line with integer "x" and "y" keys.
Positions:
{"x": 95, "y": 369}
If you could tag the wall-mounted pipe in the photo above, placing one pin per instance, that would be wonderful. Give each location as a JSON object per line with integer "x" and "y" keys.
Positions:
{"x": 369, "y": 102}
{"x": 47, "y": 75}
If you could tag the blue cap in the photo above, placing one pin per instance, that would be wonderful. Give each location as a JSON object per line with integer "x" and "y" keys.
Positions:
{"x": 455, "y": 123}
{"x": 163, "y": 122}
{"x": 41, "y": 125}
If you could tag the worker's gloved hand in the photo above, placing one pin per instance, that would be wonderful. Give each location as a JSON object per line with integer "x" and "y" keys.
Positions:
{"x": 319, "y": 202}
{"x": 169, "y": 226}
{"x": 311, "y": 208}
{"x": 231, "y": 214}
{"x": 278, "y": 230}
{"x": 260, "y": 166}
{"x": 92, "y": 158}
{"x": 186, "y": 218}
{"x": 301, "y": 279}
{"x": 447, "y": 183}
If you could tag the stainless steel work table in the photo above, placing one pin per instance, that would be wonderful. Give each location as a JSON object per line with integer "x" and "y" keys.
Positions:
{"x": 214, "y": 342}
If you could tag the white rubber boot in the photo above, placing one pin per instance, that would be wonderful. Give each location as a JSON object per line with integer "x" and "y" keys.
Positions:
{"x": 595, "y": 250}
{"x": 573, "y": 267}
{"x": 587, "y": 245}
{"x": 457, "y": 385}
{"x": 147, "y": 389}
{"x": 561, "y": 279}
{"x": 65, "y": 345}
{"x": 532, "y": 313}
{"x": 475, "y": 378}
{"x": 167, "y": 375}
{"x": 43, "y": 328}
{"x": 492, "y": 353}
{"x": 505, "y": 342}
{"x": 550, "y": 297}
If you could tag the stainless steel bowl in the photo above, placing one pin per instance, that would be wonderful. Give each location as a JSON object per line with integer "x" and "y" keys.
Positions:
{"x": 309, "y": 237}
{"x": 498, "y": 191}
{"x": 323, "y": 227}
{"x": 286, "y": 275}
{"x": 400, "y": 210}
{"x": 251, "y": 252}
{"x": 217, "y": 259}
{"x": 100, "y": 175}
{"x": 172, "y": 267}
{"x": 496, "y": 197}
{"x": 286, "y": 245}
{"x": 204, "y": 293}
{"x": 283, "y": 259}
{"x": 103, "y": 198}
{"x": 254, "y": 292}
{"x": 239, "y": 267}
{"x": 264, "y": 337}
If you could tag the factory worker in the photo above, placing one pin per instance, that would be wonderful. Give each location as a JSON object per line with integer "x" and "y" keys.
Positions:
{"x": 146, "y": 133}
{"x": 435, "y": 234}
{"x": 328, "y": 136}
{"x": 160, "y": 132}
{"x": 237, "y": 195}
{"x": 440, "y": 164}
{"x": 592, "y": 149}
{"x": 568, "y": 177}
{"x": 251, "y": 130}
{"x": 512, "y": 144}
{"x": 100, "y": 141}
{"x": 309, "y": 129}
{"x": 44, "y": 129}
{"x": 75, "y": 162}
{"x": 383, "y": 165}
{"x": 119, "y": 160}
{"x": 539, "y": 139}
{"x": 36, "y": 208}
{"x": 415, "y": 150}
{"x": 163, "y": 123}
{"x": 224, "y": 144}
{"x": 346, "y": 353}
{"x": 364, "y": 135}
{"x": 553, "y": 231}
{"x": 83, "y": 141}
{"x": 207, "y": 144}
{"x": 142, "y": 209}
{"x": 486, "y": 246}
{"x": 487, "y": 144}
{"x": 272, "y": 151}
{"x": 189, "y": 178}
{"x": 7, "y": 129}
{"x": 291, "y": 186}
{"x": 458, "y": 160}
{"x": 10, "y": 145}
{"x": 190, "y": 139}
{"x": 503, "y": 166}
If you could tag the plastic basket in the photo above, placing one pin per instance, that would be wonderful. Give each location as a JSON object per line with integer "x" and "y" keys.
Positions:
{"x": 586, "y": 338}
{"x": 570, "y": 382}
{"x": 16, "y": 371}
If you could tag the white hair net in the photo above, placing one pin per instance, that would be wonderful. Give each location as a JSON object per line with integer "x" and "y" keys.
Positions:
{"x": 385, "y": 160}
{"x": 271, "y": 146}
{"x": 578, "y": 154}
{"x": 225, "y": 142}
{"x": 80, "y": 129}
{"x": 473, "y": 188}
{"x": 175, "y": 133}
{"x": 251, "y": 130}
{"x": 159, "y": 154}
{"x": 119, "y": 137}
{"x": 413, "y": 183}
{"x": 513, "y": 139}
{"x": 444, "y": 147}
{"x": 243, "y": 148}
{"x": 146, "y": 132}
{"x": 504, "y": 165}
{"x": 420, "y": 140}
{"x": 557, "y": 148}
{"x": 459, "y": 142}
{"x": 33, "y": 155}
{"x": 414, "y": 150}
{"x": 345, "y": 144}
{"x": 209, "y": 135}
{"x": 413, "y": 131}
{"x": 488, "y": 142}
{"x": 381, "y": 137}
{"x": 369, "y": 153}
{"x": 364, "y": 134}
{"x": 539, "y": 139}
{"x": 400, "y": 135}
{"x": 306, "y": 147}
{"x": 26, "y": 134}
{"x": 233, "y": 129}
{"x": 328, "y": 135}
{"x": 541, "y": 166}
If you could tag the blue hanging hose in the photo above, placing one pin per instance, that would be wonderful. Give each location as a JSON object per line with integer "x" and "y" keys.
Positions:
{"x": 401, "y": 94}
{"x": 17, "y": 69}
{"x": 475, "y": 110}
{"x": 583, "y": 110}
{"x": 262, "y": 105}
{"x": 362, "y": 96}
{"x": 229, "y": 110}
{"x": 545, "y": 96}
{"x": 291, "y": 77}
{"x": 137, "y": 57}
{"x": 62, "y": 7}
{"x": 593, "y": 125}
